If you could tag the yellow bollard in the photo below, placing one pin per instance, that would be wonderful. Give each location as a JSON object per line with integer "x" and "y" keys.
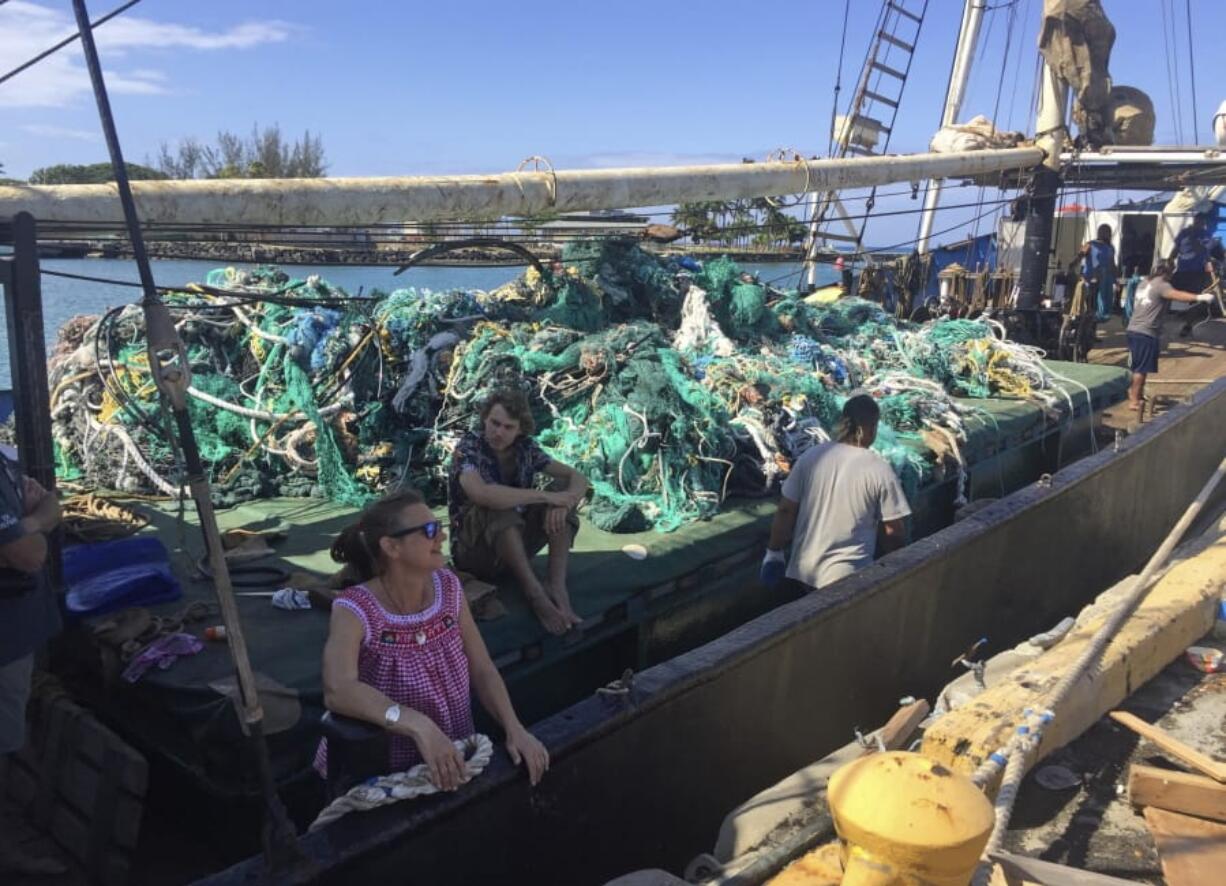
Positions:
{"x": 905, "y": 820}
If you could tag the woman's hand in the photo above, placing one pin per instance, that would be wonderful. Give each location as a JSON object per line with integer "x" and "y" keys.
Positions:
{"x": 445, "y": 762}
{"x": 525, "y": 747}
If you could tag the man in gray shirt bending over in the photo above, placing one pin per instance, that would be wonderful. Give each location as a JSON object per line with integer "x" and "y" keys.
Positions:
{"x": 832, "y": 502}
{"x": 1145, "y": 327}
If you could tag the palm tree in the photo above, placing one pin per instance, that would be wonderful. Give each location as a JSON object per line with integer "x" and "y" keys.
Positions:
{"x": 743, "y": 221}
{"x": 693, "y": 218}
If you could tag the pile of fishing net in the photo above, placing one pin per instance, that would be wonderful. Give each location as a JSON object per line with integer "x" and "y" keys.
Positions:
{"x": 671, "y": 390}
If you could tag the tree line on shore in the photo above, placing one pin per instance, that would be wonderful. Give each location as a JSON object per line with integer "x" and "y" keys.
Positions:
{"x": 756, "y": 223}
{"x": 265, "y": 153}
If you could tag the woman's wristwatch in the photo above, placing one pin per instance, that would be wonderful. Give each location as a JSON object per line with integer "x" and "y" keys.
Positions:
{"x": 391, "y": 716}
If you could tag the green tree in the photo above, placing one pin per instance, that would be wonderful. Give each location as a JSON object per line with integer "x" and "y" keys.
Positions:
{"x": 266, "y": 153}
{"x": 88, "y": 174}
{"x": 8, "y": 181}
{"x": 688, "y": 217}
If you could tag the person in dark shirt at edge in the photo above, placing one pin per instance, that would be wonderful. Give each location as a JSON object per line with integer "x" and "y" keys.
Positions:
{"x": 500, "y": 520}
{"x": 29, "y": 617}
{"x": 1193, "y": 268}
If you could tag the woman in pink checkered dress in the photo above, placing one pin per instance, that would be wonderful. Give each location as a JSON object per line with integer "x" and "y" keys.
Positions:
{"x": 403, "y": 648}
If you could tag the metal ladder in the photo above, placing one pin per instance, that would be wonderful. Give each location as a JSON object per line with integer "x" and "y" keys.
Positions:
{"x": 873, "y": 108}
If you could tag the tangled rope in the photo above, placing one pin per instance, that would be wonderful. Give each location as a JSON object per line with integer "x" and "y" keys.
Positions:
{"x": 384, "y": 790}
{"x": 91, "y": 518}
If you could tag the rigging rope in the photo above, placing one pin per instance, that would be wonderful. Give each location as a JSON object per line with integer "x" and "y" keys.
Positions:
{"x": 1192, "y": 72}
{"x": 838, "y": 80}
{"x": 1170, "y": 45}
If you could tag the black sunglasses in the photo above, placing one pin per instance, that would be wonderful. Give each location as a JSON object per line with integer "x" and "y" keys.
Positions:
{"x": 429, "y": 530}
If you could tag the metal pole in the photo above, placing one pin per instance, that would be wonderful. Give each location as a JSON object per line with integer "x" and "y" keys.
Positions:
{"x": 370, "y": 201}
{"x": 1045, "y": 185}
{"x": 168, "y": 363}
{"x": 23, "y": 307}
{"x": 959, "y": 77}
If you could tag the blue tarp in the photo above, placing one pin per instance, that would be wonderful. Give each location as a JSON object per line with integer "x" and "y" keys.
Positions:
{"x": 972, "y": 254}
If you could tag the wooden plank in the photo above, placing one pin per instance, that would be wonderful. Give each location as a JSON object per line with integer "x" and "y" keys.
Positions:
{"x": 1021, "y": 868}
{"x": 94, "y": 741}
{"x": 1192, "y": 850}
{"x": 108, "y": 866}
{"x": 1177, "y": 792}
{"x": 1177, "y": 612}
{"x": 80, "y": 786}
{"x": 23, "y": 785}
{"x": 898, "y": 728}
{"x": 1171, "y": 745}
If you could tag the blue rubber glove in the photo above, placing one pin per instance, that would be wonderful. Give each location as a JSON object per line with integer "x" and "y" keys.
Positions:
{"x": 774, "y": 564}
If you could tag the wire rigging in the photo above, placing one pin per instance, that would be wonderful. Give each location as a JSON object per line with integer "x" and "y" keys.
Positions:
{"x": 838, "y": 81}
{"x": 1172, "y": 81}
{"x": 57, "y": 47}
{"x": 1192, "y": 71}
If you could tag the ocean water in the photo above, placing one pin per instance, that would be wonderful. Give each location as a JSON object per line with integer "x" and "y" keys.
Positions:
{"x": 64, "y": 298}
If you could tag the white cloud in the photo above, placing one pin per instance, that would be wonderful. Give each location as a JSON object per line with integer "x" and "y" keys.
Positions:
{"x": 60, "y": 132}
{"x": 125, "y": 33}
{"x": 28, "y": 28}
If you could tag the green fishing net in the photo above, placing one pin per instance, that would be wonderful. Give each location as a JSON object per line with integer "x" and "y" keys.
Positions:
{"x": 299, "y": 389}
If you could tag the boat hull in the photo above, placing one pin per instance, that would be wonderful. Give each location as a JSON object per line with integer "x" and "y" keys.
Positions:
{"x": 643, "y": 780}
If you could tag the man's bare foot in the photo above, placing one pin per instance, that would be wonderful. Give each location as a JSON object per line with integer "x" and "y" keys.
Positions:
{"x": 561, "y": 599}
{"x": 553, "y": 620}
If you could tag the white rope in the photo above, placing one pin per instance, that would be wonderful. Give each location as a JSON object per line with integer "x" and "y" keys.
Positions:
{"x": 263, "y": 415}
{"x": 387, "y": 789}
{"x": 137, "y": 458}
{"x": 256, "y": 330}
{"x": 699, "y": 329}
{"x": 765, "y": 442}
{"x": 637, "y": 444}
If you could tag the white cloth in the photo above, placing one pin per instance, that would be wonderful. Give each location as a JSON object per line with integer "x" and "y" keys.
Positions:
{"x": 975, "y": 135}
{"x": 699, "y": 330}
{"x": 843, "y": 492}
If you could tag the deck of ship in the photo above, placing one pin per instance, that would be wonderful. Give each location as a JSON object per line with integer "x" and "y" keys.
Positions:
{"x": 1185, "y": 366}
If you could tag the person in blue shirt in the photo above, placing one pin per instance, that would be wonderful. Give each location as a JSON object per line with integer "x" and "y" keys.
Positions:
{"x": 1099, "y": 271}
{"x": 1193, "y": 268}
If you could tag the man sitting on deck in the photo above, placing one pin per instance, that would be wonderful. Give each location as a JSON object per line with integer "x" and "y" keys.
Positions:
{"x": 499, "y": 519}
{"x": 832, "y": 502}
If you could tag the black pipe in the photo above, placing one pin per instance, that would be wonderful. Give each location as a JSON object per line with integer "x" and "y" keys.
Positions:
{"x": 1036, "y": 249}
{"x": 456, "y": 245}
{"x": 23, "y": 307}
{"x": 167, "y": 362}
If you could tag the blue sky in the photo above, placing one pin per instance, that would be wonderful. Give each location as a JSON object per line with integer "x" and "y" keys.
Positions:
{"x": 426, "y": 87}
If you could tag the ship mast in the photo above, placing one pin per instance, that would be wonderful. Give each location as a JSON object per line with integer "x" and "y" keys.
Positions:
{"x": 1050, "y": 136}
{"x": 955, "y": 92}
